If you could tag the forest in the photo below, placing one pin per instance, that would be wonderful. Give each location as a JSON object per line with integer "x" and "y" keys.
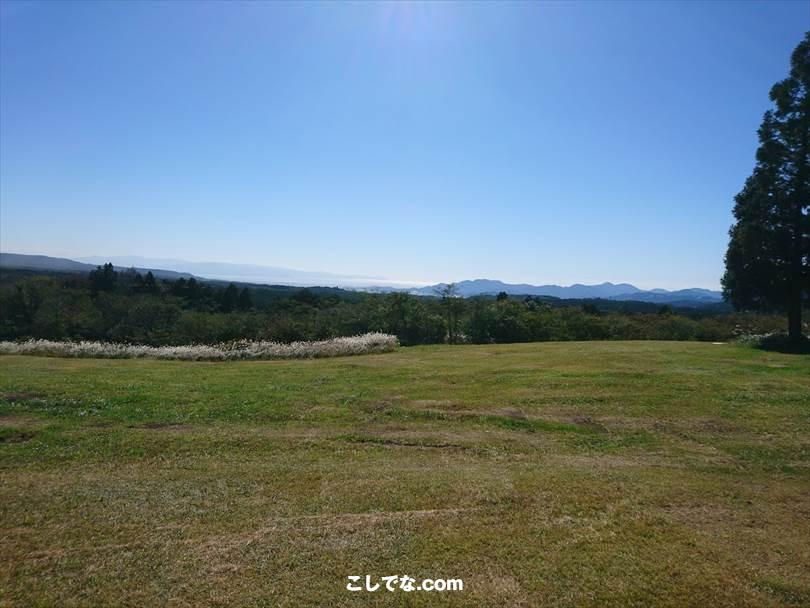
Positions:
{"x": 130, "y": 307}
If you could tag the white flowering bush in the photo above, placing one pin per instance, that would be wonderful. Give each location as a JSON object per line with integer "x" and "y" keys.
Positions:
{"x": 777, "y": 341}
{"x": 231, "y": 351}
{"x": 752, "y": 339}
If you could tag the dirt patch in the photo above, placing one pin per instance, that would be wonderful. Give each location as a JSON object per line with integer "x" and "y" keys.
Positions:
{"x": 587, "y": 422}
{"x": 514, "y": 414}
{"x": 15, "y": 436}
{"x": 19, "y": 422}
{"x": 385, "y": 404}
{"x": 399, "y": 442}
{"x": 156, "y": 426}
{"x": 715, "y": 425}
{"x": 16, "y": 396}
{"x": 432, "y": 403}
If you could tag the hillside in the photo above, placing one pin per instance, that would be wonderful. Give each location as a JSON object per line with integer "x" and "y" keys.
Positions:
{"x": 18, "y": 261}
{"x": 578, "y": 474}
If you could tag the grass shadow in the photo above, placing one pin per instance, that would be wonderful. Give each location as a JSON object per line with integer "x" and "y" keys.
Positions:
{"x": 781, "y": 343}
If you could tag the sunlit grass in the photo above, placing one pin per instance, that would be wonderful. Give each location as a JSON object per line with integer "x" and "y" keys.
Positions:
{"x": 575, "y": 474}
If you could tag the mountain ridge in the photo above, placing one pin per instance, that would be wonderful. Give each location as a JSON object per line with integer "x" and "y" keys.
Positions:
{"x": 279, "y": 276}
{"x": 48, "y": 263}
{"x": 606, "y": 290}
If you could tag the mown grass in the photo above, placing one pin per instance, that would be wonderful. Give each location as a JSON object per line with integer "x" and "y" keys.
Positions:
{"x": 554, "y": 474}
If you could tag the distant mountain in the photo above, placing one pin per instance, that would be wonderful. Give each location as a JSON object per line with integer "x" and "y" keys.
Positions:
{"x": 49, "y": 264}
{"x": 247, "y": 273}
{"x": 272, "y": 275}
{"x": 478, "y": 287}
{"x": 610, "y": 291}
{"x": 42, "y": 262}
{"x": 216, "y": 271}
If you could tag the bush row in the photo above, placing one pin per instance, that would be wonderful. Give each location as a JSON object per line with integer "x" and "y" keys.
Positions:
{"x": 241, "y": 350}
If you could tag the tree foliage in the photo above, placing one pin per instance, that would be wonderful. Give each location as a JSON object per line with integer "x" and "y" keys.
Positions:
{"x": 135, "y": 309}
{"x": 768, "y": 257}
{"x": 103, "y": 278}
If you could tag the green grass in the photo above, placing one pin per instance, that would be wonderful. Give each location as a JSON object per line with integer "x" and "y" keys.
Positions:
{"x": 555, "y": 474}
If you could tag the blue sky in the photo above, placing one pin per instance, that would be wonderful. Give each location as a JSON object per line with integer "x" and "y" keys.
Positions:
{"x": 531, "y": 142}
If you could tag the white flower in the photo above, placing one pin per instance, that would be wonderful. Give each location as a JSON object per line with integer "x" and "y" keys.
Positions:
{"x": 242, "y": 349}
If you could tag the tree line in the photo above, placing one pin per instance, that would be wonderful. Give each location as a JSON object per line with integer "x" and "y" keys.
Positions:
{"x": 127, "y": 306}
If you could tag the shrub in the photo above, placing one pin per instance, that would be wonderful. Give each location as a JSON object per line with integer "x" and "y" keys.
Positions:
{"x": 243, "y": 349}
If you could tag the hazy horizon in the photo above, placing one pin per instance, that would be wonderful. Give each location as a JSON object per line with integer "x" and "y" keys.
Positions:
{"x": 539, "y": 143}
{"x": 304, "y": 277}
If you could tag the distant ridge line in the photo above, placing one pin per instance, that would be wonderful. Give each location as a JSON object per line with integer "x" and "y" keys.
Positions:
{"x": 268, "y": 275}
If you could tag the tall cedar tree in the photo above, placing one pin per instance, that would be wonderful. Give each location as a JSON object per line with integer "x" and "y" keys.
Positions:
{"x": 229, "y": 299}
{"x": 768, "y": 257}
{"x": 103, "y": 278}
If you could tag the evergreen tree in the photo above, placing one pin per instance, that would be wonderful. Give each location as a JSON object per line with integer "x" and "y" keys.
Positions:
{"x": 245, "y": 302}
{"x": 768, "y": 257}
{"x": 453, "y": 305}
{"x": 230, "y": 298}
{"x": 103, "y": 278}
{"x": 137, "y": 283}
{"x": 149, "y": 283}
{"x": 194, "y": 291}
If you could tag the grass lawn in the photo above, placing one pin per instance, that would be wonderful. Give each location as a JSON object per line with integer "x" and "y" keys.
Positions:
{"x": 553, "y": 474}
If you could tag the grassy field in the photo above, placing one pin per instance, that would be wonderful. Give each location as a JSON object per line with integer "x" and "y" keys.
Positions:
{"x": 555, "y": 474}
